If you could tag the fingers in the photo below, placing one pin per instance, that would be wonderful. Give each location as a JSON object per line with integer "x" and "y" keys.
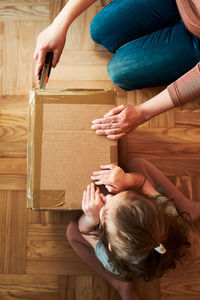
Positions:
{"x": 111, "y": 189}
{"x": 105, "y": 126}
{"x": 115, "y": 111}
{"x": 116, "y": 136}
{"x": 110, "y": 131}
{"x": 56, "y": 57}
{"x": 102, "y": 172}
{"x": 92, "y": 192}
{"x": 105, "y": 120}
{"x": 40, "y": 61}
{"x": 84, "y": 200}
{"x": 109, "y": 167}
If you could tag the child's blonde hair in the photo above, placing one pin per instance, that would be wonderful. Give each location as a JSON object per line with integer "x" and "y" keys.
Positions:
{"x": 139, "y": 225}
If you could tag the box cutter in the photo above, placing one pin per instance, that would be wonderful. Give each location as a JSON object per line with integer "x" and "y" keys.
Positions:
{"x": 44, "y": 74}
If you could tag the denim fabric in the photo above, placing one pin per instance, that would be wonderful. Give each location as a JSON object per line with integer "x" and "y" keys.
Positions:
{"x": 151, "y": 45}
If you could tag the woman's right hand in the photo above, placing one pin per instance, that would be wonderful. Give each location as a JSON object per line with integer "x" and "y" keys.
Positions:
{"x": 52, "y": 39}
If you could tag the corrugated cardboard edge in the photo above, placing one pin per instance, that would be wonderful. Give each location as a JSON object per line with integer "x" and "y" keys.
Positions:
{"x": 34, "y": 174}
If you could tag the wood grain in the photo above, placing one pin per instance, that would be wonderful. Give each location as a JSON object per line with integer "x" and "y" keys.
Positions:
{"x": 36, "y": 261}
{"x": 13, "y": 232}
{"x": 47, "y": 249}
{"x": 23, "y": 10}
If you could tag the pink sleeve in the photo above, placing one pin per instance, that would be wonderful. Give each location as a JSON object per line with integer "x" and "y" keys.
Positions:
{"x": 186, "y": 88}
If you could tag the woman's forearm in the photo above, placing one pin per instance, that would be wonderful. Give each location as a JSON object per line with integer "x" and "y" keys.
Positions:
{"x": 157, "y": 105}
{"x": 71, "y": 11}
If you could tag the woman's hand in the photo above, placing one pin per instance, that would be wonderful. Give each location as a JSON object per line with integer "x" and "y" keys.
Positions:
{"x": 113, "y": 177}
{"x": 52, "y": 39}
{"x": 119, "y": 121}
{"x": 92, "y": 203}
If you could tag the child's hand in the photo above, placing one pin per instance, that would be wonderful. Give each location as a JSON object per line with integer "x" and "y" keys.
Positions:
{"x": 113, "y": 177}
{"x": 92, "y": 202}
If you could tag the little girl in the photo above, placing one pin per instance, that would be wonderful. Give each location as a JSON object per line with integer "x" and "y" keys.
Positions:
{"x": 137, "y": 233}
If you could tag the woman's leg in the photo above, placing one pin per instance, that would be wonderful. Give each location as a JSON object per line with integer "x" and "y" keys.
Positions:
{"x": 157, "y": 178}
{"x": 155, "y": 59}
{"x": 124, "y": 20}
{"x": 83, "y": 249}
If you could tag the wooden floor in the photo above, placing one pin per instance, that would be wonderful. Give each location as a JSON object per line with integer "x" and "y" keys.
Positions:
{"x": 36, "y": 261}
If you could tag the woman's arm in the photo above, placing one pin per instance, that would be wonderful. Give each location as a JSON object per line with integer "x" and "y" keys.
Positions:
{"x": 124, "y": 118}
{"x": 52, "y": 39}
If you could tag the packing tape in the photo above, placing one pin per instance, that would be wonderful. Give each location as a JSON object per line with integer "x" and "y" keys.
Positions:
{"x": 40, "y": 199}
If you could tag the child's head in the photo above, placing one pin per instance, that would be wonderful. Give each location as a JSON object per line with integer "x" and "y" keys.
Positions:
{"x": 135, "y": 225}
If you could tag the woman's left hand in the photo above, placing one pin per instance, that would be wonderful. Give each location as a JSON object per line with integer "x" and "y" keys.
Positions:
{"x": 119, "y": 121}
{"x": 92, "y": 203}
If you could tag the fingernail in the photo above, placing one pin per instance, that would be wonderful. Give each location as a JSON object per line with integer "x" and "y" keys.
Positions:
{"x": 92, "y": 127}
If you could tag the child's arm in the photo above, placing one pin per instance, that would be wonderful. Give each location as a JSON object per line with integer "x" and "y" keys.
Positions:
{"x": 116, "y": 180}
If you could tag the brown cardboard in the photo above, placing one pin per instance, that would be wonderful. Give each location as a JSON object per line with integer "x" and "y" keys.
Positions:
{"x": 63, "y": 151}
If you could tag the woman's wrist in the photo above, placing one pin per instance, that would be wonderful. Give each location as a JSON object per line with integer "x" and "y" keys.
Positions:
{"x": 156, "y": 105}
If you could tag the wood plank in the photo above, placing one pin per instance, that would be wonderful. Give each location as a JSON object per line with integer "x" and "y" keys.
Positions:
{"x": 25, "y": 57}
{"x": 13, "y": 124}
{"x": 9, "y": 166}
{"x": 48, "y": 249}
{"x": 13, "y": 182}
{"x": 84, "y": 286}
{"x": 10, "y": 66}
{"x": 13, "y": 232}
{"x": 85, "y": 58}
{"x": 1, "y": 56}
{"x": 177, "y": 167}
{"x": 52, "y": 217}
{"x": 164, "y": 150}
{"x": 55, "y": 8}
{"x": 17, "y": 286}
{"x": 165, "y": 135}
{"x": 23, "y": 10}
{"x": 187, "y": 283}
{"x": 187, "y": 119}
{"x": 78, "y": 35}
{"x": 67, "y": 287}
{"x": 81, "y": 84}
{"x": 184, "y": 184}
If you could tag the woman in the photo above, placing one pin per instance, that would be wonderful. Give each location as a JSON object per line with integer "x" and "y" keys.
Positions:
{"x": 154, "y": 42}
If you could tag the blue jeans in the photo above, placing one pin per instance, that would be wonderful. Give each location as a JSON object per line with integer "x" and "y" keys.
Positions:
{"x": 150, "y": 42}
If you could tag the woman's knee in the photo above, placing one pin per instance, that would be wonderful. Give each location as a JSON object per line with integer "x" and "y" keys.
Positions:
{"x": 124, "y": 73}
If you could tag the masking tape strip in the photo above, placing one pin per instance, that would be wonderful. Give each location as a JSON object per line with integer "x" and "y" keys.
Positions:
{"x": 49, "y": 198}
{"x": 98, "y": 98}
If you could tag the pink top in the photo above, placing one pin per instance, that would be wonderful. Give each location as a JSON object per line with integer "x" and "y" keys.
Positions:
{"x": 187, "y": 87}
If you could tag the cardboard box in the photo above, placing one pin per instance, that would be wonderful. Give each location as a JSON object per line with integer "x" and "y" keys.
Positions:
{"x": 63, "y": 151}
